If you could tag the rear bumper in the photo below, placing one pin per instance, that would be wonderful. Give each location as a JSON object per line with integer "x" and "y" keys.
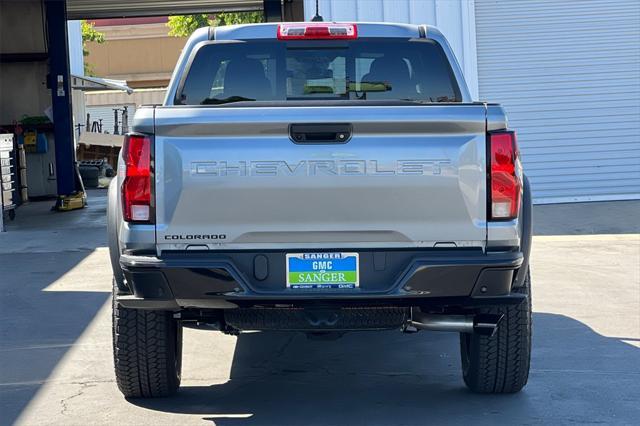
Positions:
{"x": 387, "y": 278}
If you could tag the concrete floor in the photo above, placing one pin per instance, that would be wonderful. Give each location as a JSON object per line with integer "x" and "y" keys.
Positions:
{"x": 55, "y": 342}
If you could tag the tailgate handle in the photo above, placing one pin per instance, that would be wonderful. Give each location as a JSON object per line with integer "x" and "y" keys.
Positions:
{"x": 320, "y": 133}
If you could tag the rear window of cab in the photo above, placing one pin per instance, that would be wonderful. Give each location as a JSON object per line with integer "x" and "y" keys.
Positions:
{"x": 360, "y": 69}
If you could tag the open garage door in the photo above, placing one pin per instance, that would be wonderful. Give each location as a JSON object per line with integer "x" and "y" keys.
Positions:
{"x": 84, "y": 9}
{"x": 568, "y": 74}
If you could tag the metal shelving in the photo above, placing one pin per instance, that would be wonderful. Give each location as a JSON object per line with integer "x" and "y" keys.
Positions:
{"x": 7, "y": 175}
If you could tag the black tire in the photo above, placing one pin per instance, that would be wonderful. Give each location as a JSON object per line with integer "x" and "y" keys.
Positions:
{"x": 147, "y": 352}
{"x": 500, "y": 364}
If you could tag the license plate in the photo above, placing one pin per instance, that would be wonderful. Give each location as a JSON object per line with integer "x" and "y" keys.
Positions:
{"x": 322, "y": 270}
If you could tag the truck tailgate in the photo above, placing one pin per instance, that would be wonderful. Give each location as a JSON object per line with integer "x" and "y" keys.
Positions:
{"x": 233, "y": 178}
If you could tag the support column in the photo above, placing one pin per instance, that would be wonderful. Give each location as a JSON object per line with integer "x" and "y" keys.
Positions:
{"x": 272, "y": 10}
{"x": 56, "y": 16}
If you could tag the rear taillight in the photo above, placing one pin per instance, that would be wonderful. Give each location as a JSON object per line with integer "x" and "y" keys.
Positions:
{"x": 505, "y": 175}
{"x": 136, "y": 188}
{"x": 317, "y": 31}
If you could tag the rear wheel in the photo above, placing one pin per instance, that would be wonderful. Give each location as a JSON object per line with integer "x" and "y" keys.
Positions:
{"x": 147, "y": 351}
{"x": 500, "y": 364}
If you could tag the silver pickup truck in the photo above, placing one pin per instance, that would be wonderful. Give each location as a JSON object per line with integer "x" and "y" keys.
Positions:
{"x": 320, "y": 178}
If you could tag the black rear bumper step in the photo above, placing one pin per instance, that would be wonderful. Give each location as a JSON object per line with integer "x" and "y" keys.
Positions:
{"x": 399, "y": 277}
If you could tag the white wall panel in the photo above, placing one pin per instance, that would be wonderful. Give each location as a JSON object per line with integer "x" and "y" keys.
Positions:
{"x": 455, "y": 18}
{"x": 371, "y": 10}
{"x": 396, "y": 11}
{"x": 423, "y": 10}
{"x": 568, "y": 74}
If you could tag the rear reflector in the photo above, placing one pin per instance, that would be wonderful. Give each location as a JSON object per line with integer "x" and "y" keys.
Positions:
{"x": 317, "y": 31}
{"x": 136, "y": 187}
{"x": 505, "y": 177}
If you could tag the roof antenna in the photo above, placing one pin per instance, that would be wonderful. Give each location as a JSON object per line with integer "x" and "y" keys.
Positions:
{"x": 317, "y": 18}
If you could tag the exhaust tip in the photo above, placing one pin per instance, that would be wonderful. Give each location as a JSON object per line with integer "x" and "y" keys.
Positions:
{"x": 482, "y": 324}
{"x": 487, "y": 324}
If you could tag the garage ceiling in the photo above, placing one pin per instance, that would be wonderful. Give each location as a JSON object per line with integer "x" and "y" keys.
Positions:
{"x": 95, "y": 9}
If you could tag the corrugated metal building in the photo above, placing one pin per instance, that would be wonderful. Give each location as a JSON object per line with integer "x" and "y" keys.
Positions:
{"x": 569, "y": 75}
{"x": 100, "y": 105}
{"x": 567, "y": 71}
{"x": 105, "y": 116}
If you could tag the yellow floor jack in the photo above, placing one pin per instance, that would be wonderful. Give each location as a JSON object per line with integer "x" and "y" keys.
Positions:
{"x": 74, "y": 201}
{"x": 77, "y": 200}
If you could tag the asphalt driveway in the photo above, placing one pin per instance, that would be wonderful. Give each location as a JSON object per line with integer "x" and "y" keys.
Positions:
{"x": 55, "y": 342}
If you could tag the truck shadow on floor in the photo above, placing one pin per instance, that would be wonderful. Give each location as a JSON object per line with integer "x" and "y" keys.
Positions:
{"x": 391, "y": 378}
{"x": 39, "y": 324}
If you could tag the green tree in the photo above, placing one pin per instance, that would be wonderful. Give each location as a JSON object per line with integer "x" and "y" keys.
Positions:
{"x": 184, "y": 25}
{"x": 234, "y": 18}
{"x": 89, "y": 33}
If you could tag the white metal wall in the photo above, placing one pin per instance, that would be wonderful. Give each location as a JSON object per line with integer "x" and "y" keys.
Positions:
{"x": 568, "y": 74}
{"x": 455, "y": 18}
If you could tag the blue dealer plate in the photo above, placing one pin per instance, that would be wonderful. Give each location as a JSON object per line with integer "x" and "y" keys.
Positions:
{"x": 322, "y": 270}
